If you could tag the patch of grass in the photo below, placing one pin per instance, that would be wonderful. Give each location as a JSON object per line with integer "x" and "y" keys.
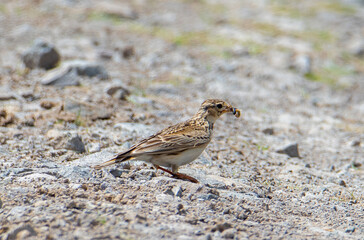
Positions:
{"x": 106, "y": 17}
{"x": 335, "y": 6}
{"x": 262, "y": 147}
{"x": 59, "y": 121}
{"x": 176, "y": 80}
{"x": 101, "y": 220}
{"x": 290, "y": 10}
{"x": 79, "y": 121}
{"x": 320, "y": 39}
{"x": 347, "y": 197}
{"x": 330, "y": 74}
{"x": 3, "y": 8}
{"x": 267, "y": 29}
{"x": 254, "y": 48}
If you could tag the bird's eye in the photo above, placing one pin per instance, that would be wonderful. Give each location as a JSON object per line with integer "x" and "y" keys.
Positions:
{"x": 219, "y": 106}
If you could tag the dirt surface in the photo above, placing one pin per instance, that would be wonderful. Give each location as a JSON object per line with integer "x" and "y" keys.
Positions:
{"x": 294, "y": 68}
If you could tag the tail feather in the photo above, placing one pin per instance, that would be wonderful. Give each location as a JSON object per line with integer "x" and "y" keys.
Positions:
{"x": 118, "y": 159}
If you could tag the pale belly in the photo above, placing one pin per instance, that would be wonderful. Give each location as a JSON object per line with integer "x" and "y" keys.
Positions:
{"x": 177, "y": 160}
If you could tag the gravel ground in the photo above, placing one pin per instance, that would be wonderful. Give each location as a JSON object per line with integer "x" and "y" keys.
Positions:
{"x": 101, "y": 75}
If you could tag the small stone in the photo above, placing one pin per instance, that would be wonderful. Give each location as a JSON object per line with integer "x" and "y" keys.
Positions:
{"x": 147, "y": 173}
{"x": 342, "y": 183}
{"x": 221, "y": 227}
{"x": 76, "y": 205}
{"x": 22, "y": 232}
{"x": 5, "y": 96}
{"x": 105, "y": 54}
{"x": 76, "y": 144}
{"x": 118, "y": 172}
{"x": 356, "y": 47}
{"x": 61, "y": 77}
{"x": 291, "y": 150}
{"x": 6, "y": 117}
{"x": 54, "y": 134}
{"x": 103, "y": 186}
{"x": 308, "y": 165}
{"x": 177, "y": 191}
{"x": 357, "y": 164}
{"x": 237, "y": 51}
{"x": 356, "y": 143}
{"x": 116, "y": 10}
{"x": 228, "y": 67}
{"x": 118, "y": 92}
{"x": 1, "y": 203}
{"x": 41, "y": 55}
{"x": 208, "y": 237}
{"x": 302, "y": 63}
{"x": 180, "y": 207}
{"x": 350, "y": 230}
{"x": 47, "y": 104}
{"x": 243, "y": 215}
{"x": 164, "y": 198}
{"x": 29, "y": 122}
{"x": 229, "y": 234}
{"x": 209, "y": 196}
{"x": 68, "y": 74}
{"x": 94, "y": 147}
{"x": 128, "y": 52}
{"x": 268, "y": 131}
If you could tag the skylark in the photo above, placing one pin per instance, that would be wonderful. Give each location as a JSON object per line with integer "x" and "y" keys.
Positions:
{"x": 179, "y": 144}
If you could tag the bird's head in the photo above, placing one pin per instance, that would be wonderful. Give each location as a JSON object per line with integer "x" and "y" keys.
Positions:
{"x": 212, "y": 109}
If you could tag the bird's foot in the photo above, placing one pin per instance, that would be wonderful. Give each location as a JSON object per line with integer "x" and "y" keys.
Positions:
{"x": 178, "y": 175}
{"x": 185, "y": 177}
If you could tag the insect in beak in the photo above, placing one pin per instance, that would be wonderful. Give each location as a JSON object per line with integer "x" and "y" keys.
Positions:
{"x": 236, "y": 112}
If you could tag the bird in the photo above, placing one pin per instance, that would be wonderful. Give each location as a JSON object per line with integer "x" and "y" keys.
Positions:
{"x": 178, "y": 144}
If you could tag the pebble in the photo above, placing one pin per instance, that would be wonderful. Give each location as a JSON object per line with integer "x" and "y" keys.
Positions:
{"x": 118, "y": 92}
{"x": 350, "y": 230}
{"x": 69, "y": 73}
{"x": 41, "y": 55}
{"x": 22, "y": 232}
{"x": 302, "y": 63}
{"x": 94, "y": 147}
{"x": 209, "y": 196}
{"x": 128, "y": 52}
{"x": 118, "y": 172}
{"x": 177, "y": 191}
{"x": 229, "y": 234}
{"x": 221, "y": 227}
{"x": 268, "y": 131}
{"x": 5, "y": 96}
{"x": 164, "y": 198}
{"x": 342, "y": 183}
{"x": 290, "y": 150}
{"x": 75, "y": 143}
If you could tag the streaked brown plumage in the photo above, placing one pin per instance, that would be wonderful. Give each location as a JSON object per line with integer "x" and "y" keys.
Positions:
{"x": 179, "y": 144}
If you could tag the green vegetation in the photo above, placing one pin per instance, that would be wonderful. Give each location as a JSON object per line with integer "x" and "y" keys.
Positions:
{"x": 107, "y": 17}
{"x": 79, "y": 121}
{"x": 2, "y": 8}
{"x": 330, "y": 74}
{"x": 335, "y": 6}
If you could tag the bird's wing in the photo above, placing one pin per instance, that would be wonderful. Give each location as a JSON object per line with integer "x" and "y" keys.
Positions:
{"x": 169, "y": 143}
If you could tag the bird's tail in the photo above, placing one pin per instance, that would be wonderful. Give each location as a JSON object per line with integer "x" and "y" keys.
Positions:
{"x": 117, "y": 159}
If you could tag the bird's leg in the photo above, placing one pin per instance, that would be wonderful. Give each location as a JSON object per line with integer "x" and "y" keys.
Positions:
{"x": 177, "y": 175}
